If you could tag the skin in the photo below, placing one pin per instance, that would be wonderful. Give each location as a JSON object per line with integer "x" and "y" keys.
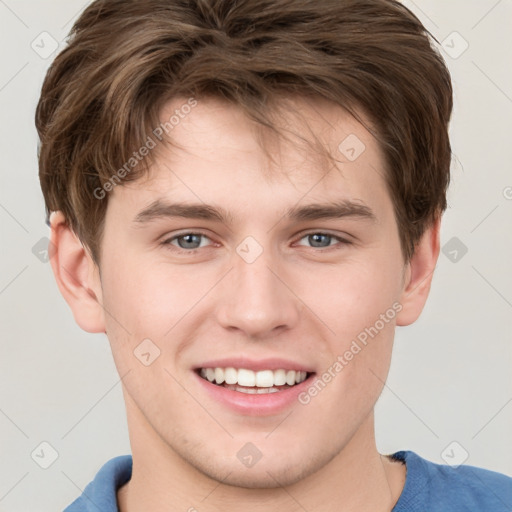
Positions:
{"x": 297, "y": 300}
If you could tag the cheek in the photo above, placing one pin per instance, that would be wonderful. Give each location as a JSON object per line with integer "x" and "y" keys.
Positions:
{"x": 132, "y": 305}
{"x": 148, "y": 299}
{"x": 353, "y": 297}
{"x": 359, "y": 306}
{"x": 156, "y": 302}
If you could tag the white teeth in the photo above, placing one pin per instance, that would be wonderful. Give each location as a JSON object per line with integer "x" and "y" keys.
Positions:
{"x": 230, "y": 376}
{"x": 299, "y": 377}
{"x": 279, "y": 377}
{"x": 263, "y": 379}
{"x": 253, "y": 391}
{"x": 219, "y": 375}
{"x": 246, "y": 378}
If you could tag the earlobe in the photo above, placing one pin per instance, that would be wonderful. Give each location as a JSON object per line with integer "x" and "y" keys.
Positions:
{"x": 77, "y": 276}
{"x": 418, "y": 275}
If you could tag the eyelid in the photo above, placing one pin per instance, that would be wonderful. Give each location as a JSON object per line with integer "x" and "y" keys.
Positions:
{"x": 177, "y": 234}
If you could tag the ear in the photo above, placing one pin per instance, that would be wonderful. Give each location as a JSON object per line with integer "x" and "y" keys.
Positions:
{"x": 418, "y": 275}
{"x": 77, "y": 276}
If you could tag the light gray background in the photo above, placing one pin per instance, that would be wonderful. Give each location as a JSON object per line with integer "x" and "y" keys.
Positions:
{"x": 450, "y": 378}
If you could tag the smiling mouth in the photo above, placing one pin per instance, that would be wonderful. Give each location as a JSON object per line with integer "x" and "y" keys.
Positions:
{"x": 251, "y": 382}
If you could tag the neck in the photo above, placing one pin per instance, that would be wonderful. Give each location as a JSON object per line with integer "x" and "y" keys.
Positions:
{"x": 357, "y": 478}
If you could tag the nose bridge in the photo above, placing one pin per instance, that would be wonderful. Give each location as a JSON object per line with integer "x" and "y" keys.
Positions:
{"x": 254, "y": 299}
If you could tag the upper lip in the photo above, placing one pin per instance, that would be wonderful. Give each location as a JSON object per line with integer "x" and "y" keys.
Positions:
{"x": 255, "y": 365}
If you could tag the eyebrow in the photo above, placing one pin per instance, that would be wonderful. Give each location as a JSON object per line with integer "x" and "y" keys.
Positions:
{"x": 161, "y": 209}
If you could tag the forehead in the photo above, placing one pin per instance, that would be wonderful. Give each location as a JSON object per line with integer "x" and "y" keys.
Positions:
{"x": 310, "y": 130}
{"x": 217, "y": 152}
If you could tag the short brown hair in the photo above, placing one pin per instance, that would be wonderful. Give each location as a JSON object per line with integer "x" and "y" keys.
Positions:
{"x": 126, "y": 58}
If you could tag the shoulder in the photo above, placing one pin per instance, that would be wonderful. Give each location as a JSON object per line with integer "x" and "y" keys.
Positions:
{"x": 439, "y": 487}
{"x": 101, "y": 493}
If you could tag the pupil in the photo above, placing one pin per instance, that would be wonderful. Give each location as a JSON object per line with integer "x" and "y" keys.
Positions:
{"x": 189, "y": 241}
{"x": 317, "y": 239}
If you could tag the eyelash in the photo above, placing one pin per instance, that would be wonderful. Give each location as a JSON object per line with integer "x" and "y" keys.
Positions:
{"x": 179, "y": 250}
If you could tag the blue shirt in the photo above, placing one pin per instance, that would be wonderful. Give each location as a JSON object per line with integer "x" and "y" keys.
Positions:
{"x": 428, "y": 487}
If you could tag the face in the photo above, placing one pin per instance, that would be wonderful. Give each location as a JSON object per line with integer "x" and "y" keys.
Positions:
{"x": 265, "y": 267}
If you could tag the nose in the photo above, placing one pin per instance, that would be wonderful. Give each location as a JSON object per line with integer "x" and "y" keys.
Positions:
{"x": 256, "y": 299}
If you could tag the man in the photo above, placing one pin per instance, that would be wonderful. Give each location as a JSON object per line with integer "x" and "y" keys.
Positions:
{"x": 246, "y": 197}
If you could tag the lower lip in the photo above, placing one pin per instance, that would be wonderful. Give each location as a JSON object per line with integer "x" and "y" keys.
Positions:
{"x": 255, "y": 404}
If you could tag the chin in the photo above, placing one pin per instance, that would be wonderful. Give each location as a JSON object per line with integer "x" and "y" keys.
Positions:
{"x": 266, "y": 473}
{"x": 268, "y": 476}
